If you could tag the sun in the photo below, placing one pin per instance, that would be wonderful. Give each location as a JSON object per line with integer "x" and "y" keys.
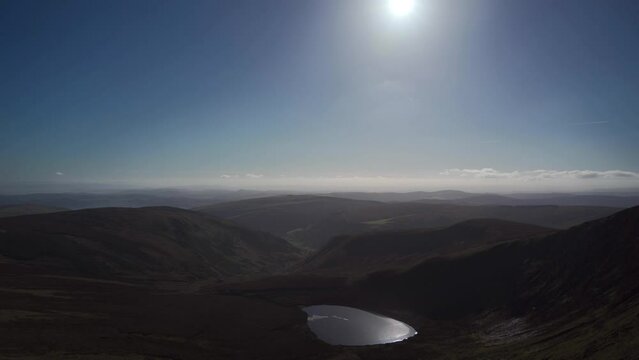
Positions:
{"x": 401, "y": 8}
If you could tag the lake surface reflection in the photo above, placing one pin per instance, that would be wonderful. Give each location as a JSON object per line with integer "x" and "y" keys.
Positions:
{"x": 342, "y": 325}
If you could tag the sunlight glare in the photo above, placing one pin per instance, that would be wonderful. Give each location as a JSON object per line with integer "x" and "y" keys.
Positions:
{"x": 401, "y": 8}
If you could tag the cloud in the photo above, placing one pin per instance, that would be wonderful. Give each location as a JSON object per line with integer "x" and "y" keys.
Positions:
{"x": 624, "y": 174}
{"x": 59, "y": 173}
{"x": 490, "y": 173}
{"x": 235, "y": 176}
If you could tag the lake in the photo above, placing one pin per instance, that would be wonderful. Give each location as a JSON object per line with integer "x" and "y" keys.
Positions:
{"x": 343, "y": 325}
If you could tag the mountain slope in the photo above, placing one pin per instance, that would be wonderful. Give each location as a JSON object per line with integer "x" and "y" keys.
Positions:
{"x": 180, "y": 198}
{"x": 571, "y": 294}
{"x": 415, "y": 215}
{"x": 587, "y": 266}
{"x": 443, "y": 195}
{"x": 141, "y": 242}
{"x": 293, "y": 217}
{"x": 311, "y": 221}
{"x": 454, "y": 197}
{"x": 358, "y": 254}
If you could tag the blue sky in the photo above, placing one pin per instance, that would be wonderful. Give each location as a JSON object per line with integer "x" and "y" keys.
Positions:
{"x": 247, "y": 92}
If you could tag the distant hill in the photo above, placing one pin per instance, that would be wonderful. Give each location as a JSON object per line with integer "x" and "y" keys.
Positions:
{"x": 586, "y": 200}
{"x": 543, "y": 199}
{"x": 185, "y": 199}
{"x": 311, "y": 221}
{"x": 164, "y": 242}
{"x": 443, "y": 195}
{"x": 419, "y": 215}
{"x": 306, "y": 220}
{"x": 359, "y": 254}
{"x": 26, "y": 209}
{"x": 455, "y": 197}
{"x": 491, "y": 199}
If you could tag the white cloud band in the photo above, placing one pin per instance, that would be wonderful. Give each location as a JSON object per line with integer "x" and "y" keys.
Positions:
{"x": 490, "y": 173}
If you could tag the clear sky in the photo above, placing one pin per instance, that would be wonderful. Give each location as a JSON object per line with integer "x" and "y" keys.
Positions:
{"x": 291, "y": 92}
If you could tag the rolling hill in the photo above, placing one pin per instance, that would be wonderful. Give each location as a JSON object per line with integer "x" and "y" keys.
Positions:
{"x": 443, "y": 195}
{"x": 418, "y": 215}
{"x": 368, "y": 252}
{"x": 586, "y": 267}
{"x": 27, "y": 209}
{"x": 455, "y": 197}
{"x": 306, "y": 220}
{"x": 311, "y": 221}
{"x": 181, "y": 198}
{"x": 569, "y": 294}
{"x": 541, "y": 200}
{"x": 146, "y": 242}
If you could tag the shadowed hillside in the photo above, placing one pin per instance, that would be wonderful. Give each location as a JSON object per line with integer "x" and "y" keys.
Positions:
{"x": 311, "y": 221}
{"x": 443, "y": 195}
{"x": 368, "y": 252}
{"x": 180, "y": 198}
{"x": 593, "y": 264}
{"x": 571, "y": 294}
{"x": 164, "y": 241}
{"x": 306, "y": 220}
{"x": 27, "y": 209}
{"x": 454, "y": 197}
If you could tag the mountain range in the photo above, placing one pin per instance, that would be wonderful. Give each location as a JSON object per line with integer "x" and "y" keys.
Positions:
{"x": 476, "y": 282}
{"x": 310, "y": 221}
{"x": 517, "y": 199}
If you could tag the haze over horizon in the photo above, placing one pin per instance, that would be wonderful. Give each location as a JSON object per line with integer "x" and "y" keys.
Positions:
{"x": 486, "y": 95}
